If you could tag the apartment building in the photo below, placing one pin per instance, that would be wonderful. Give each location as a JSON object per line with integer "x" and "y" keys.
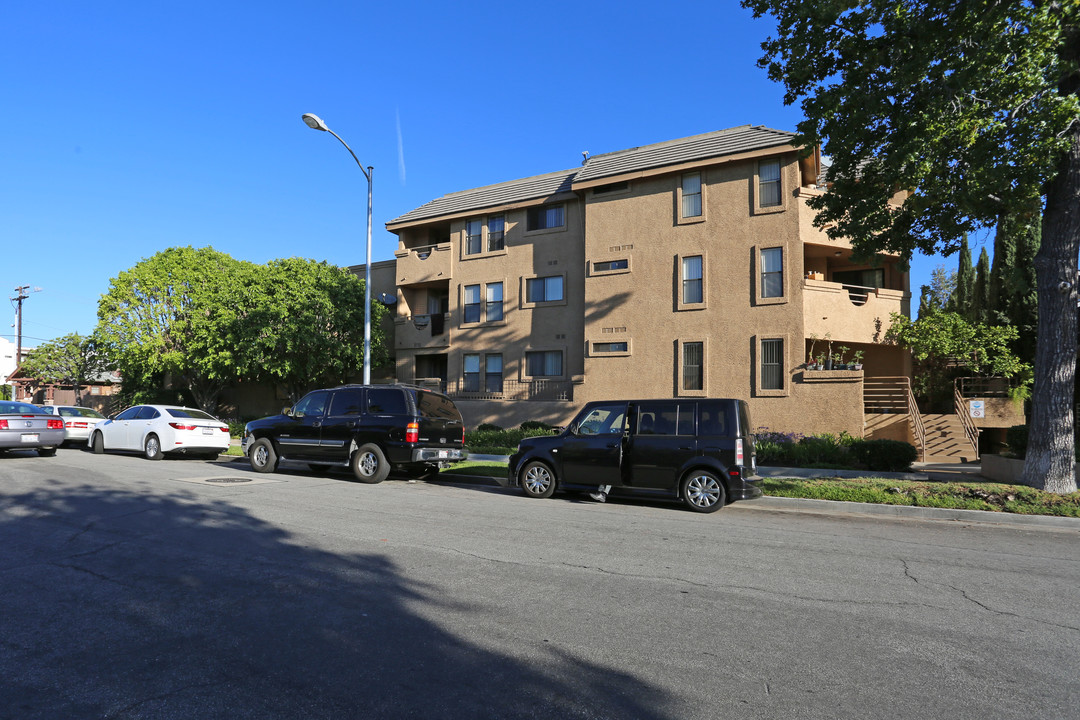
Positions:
{"x": 685, "y": 268}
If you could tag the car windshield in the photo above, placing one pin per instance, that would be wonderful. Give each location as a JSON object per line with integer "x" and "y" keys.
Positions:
{"x": 189, "y": 413}
{"x": 8, "y": 407}
{"x": 80, "y": 412}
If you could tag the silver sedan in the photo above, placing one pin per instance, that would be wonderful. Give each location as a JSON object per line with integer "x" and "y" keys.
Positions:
{"x": 27, "y": 426}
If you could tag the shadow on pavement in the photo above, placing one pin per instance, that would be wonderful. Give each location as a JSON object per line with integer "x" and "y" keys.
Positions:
{"x": 122, "y": 604}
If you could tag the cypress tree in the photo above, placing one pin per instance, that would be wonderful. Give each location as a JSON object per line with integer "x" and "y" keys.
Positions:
{"x": 963, "y": 296}
{"x": 1025, "y": 308}
{"x": 1002, "y": 283}
{"x": 980, "y": 301}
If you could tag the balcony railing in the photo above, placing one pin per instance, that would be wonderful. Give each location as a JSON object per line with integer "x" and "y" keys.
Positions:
{"x": 421, "y": 331}
{"x": 492, "y": 389}
{"x": 850, "y": 313}
{"x": 424, "y": 264}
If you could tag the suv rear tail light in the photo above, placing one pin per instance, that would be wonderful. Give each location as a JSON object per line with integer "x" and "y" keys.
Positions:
{"x": 412, "y": 432}
{"x": 3, "y": 425}
{"x": 738, "y": 452}
{"x": 178, "y": 426}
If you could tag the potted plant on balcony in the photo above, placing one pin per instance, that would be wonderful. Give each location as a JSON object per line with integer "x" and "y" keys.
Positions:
{"x": 838, "y": 359}
{"x": 856, "y": 360}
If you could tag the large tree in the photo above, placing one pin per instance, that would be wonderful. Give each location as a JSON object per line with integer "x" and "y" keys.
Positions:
{"x": 963, "y": 299}
{"x": 972, "y": 111}
{"x": 177, "y": 315}
{"x": 70, "y": 360}
{"x": 306, "y": 325}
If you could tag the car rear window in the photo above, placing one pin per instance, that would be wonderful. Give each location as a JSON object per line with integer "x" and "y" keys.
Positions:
{"x": 676, "y": 418}
{"x": 437, "y": 407}
{"x": 79, "y": 412}
{"x": 189, "y": 413}
{"x": 18, "y": 408}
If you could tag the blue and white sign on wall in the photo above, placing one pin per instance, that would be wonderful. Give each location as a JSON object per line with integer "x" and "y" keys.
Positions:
{"x": 977, "y": 408}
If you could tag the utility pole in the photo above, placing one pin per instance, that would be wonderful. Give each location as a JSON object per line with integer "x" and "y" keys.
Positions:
{"x": 20, "y": 295}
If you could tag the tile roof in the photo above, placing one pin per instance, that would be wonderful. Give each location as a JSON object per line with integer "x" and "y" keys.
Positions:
{"x": 672, "y": 152}
{"x": 530, "y": 188}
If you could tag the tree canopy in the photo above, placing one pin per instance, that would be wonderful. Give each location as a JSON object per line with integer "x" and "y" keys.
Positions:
{"x": 73, "y": 359}
{"x": 204, "y": 320}
{"x": 939, "y": 118}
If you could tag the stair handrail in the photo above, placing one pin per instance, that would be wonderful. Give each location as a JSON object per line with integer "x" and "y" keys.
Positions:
{"x": 916, "y": 419}
{"x": 970, "y": 430}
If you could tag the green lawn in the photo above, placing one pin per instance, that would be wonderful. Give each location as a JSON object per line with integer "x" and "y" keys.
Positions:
{"x": 994, "y": 497}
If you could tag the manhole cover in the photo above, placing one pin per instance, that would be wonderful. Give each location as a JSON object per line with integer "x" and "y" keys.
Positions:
{"x": 228, "y": 480}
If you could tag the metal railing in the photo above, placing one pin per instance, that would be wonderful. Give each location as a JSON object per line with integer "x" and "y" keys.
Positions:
{"x": 893, "y": 395}
{"x": 492, "y": 389}
{"x": 960, "y": 404}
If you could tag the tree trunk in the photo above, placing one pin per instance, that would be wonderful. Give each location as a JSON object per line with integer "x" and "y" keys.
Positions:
{"x": 1051, "y": 462}
{"x": 205, "y": 393}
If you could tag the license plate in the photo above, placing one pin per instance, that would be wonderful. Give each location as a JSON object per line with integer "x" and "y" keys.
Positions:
{"x": 30, "y": 437}
{"x": 208, "y": 431}
{"x": 443, "y": 453}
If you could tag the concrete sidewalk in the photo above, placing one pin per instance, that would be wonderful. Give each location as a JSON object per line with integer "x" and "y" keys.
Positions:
{"x": 948, "y": 472}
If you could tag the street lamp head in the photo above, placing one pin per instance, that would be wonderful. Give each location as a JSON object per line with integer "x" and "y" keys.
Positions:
{"x": 314, "y": 122}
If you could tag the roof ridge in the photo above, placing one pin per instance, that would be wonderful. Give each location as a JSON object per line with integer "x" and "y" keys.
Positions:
{"x": 504, "y": 183}
{"x": 674, "y": 141}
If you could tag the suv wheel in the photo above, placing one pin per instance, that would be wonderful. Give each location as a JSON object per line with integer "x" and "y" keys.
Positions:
{"x": 369, "y": 464}
{"x": 537, "y": 480}
{"x": 703, "y": 492}
{"x": 262, "y": 456}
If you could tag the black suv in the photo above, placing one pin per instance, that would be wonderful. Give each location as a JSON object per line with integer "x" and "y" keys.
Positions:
{"x": 370, "y": 428}
{"x": 698, "y": 450}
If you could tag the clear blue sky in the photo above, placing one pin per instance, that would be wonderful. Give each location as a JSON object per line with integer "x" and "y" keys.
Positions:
{"x": 130, "y": 127}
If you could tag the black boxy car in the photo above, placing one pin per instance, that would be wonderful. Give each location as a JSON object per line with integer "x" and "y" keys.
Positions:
{"x": 699, "y": 450}
{"x": 369, "y": 428}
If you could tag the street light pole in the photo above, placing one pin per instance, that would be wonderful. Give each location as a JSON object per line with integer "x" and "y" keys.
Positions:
{"x": 20, "y": 295}
{"x": 315, "y": 123}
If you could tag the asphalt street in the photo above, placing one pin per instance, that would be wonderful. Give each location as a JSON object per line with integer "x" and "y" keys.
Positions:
{"x": 195, "y": 589}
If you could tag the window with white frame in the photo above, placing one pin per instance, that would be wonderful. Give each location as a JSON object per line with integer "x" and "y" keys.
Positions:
{"x": 473, "y": 230}
{"x": 544, "y": 363}
{"x": 471, "y": 303}
{"x": 772, "y": 364}
{"x": 546, "y": 217}
{"x": 493, "y": 373}
{"x": 693, "y": 366}
{"x": 496, "y": 226}
{"x": 470, "y": 372}
{"x": 769, "y": 183}
{"x": 544, "y": 289}
{"x": 772, "y": 272}
{"x": 691, "y": 195}
{"x": 493, "y": 305}
{"x": 692, "y": 288}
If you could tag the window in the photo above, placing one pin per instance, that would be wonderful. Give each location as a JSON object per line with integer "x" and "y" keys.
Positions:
{"x": 609, "y": 265}
{"x": 470, "y": 373}
{"x": 543, "y": 363}
{"x": 471, "y": 303}
{"x": 496, "y": 227}
{"x": 610, "y": 347}
{"x": 544, "y": 218}
{"x": 493, "y": 309}
{"x": 692, "y": 279}
{"x": 666, "y": 419}
{"x": 691, "y": 195}
{"x": 346, "y": 402}
{"x": 603, "y": 420}
{"x": 493, "y": 379}
{"x": 772, "y": 272}
{"x": 769, "y": 183}
{"x": 312, "y": 405}
{"x": 386, "y": 401}
{"x": 772, "y": 366}
{"x": 472, "y": 237}
{"x": 693, "y": 366}
{"x": 545, "y": 289}
{"x": 611, "y": 187}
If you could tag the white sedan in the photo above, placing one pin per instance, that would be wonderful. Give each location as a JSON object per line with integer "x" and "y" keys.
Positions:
{"x": 79, "y": 422}
{"x": 155, "y": 430}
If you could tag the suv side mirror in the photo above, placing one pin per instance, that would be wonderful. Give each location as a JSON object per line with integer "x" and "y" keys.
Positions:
{"x": 286, "y": 411}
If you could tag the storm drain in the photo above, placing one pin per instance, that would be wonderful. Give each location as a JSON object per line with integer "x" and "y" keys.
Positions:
{"x": 227, "y": 480}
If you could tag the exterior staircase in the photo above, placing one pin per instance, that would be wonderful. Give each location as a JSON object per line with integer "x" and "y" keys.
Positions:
{"x": 946, "y": 439}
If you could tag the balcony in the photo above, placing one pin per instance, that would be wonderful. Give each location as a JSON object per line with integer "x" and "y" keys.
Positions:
{"x": 413, "y": 332}
{"x": 502, "y": 389}
{"x": 423, "y": 264}
{"x": 850, "y": 313}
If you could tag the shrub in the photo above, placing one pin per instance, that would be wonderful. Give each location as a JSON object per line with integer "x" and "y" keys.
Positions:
{"x": 798, "y": 450}
{"x": 536, "y": 425}
{"x": 884, "y": 455}
{"x": 488, "y": 427}
{"x": 1016, "y": 438}
{"x": 498, "y": 442}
